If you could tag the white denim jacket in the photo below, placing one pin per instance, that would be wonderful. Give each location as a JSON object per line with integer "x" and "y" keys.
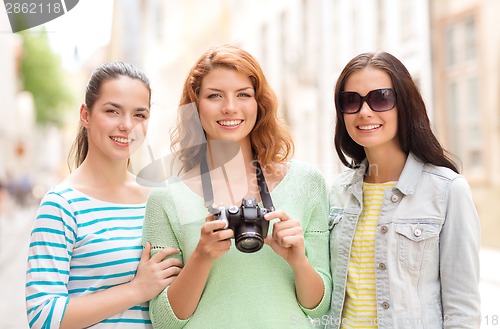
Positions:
{"x": 427, "y": 248}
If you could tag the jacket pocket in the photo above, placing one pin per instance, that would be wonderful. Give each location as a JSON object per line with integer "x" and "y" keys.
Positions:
{"x": 418, "y": 243}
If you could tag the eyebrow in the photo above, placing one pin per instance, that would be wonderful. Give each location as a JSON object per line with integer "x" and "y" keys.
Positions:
{"x": 140, "y": 109}
{"x": 219, "y": 90}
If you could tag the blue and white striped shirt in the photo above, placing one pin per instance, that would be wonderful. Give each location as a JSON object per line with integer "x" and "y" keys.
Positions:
{"x": 80, "y": 245}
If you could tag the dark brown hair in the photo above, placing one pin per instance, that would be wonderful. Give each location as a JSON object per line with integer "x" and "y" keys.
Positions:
{"x": 105, "y": 72}
{"x": 270, "y": 138}
{"x": 414, "y": 130}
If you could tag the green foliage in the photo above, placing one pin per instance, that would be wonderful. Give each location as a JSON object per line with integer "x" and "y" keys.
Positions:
{"x": 43, "y": 76}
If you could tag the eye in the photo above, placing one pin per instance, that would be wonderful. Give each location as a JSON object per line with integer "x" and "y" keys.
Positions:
{"x": 112, "y": 111}
{"x": 244, "y": 95}
{"x": 142, "y": 115}
{"x": 214, "y": 96}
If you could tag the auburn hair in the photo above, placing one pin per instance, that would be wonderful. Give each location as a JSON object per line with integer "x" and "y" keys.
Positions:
{"x": 270, "y": 138}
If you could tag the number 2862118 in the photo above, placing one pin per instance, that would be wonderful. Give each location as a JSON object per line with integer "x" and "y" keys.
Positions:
{"x": 33, "y": 8}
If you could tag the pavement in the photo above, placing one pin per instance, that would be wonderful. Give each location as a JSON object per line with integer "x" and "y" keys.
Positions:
{"x": 15, "y": 229}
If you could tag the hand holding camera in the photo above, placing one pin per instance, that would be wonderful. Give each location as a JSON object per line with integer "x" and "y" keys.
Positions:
{"x": 251, "y": 230}
{"x": 214, "y": 239}
{"x": 287, "y": 239}
{"x": 247, "y": 222}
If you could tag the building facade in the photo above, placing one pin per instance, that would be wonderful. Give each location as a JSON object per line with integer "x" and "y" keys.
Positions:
{"x": 466, "y": 53}
{"x": 301, "y": 44}
{"x": 451, "y": 48}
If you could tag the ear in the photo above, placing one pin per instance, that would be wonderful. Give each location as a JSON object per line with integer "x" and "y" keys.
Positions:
{"x": 84, "y": 115}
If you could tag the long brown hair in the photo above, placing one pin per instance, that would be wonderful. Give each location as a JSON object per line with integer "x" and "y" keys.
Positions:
{"x": 270, "y": 138}
{"x": 414, "y": 130}
{"x": 105, "y": 72}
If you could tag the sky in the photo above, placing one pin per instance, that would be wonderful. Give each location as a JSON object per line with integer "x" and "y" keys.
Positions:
{"x": 86, "y": 27}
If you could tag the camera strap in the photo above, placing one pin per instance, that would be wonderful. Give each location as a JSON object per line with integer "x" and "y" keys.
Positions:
{"x": 206, "y": 182}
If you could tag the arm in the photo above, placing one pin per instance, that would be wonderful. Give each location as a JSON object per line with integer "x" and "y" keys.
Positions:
{"x": 47, "y": 275}
{"x": 153, "y": 275}
{"x": 185, "y": 294}
{"x": 173, "y": 307}
{"x": 287, "y": 240}
{"x": 306, "y": 198}
{"x": 459, "y": 259}
{"x": 47, "y": 298}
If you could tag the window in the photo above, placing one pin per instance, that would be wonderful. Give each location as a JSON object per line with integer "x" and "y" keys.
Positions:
{"x": 470, "y": 40}
{"x": 450, "y": 47}
{"x": 454, "y": 118}
{"x": 460, "y": 42}
{"x": 462, "y": 79}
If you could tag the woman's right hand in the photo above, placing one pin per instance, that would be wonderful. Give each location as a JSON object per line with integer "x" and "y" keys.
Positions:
{"x": 155, "y": 273}
{"x": 214, "y": 239}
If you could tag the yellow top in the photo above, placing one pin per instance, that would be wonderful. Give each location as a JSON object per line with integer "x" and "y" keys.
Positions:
{"x": 360, "y": 307}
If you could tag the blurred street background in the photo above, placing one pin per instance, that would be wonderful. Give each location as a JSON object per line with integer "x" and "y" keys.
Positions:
{"x": 451, "y": 47}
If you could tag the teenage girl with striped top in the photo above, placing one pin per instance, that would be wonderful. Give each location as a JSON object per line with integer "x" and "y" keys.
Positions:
{"x": 86, "y": 266}
{"x": 404, "y": 230}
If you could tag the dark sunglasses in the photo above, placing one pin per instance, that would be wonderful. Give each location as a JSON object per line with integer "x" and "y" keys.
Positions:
{"x": 379, "y": 100}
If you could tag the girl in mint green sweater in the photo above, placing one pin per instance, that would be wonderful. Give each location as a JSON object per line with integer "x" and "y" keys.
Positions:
{"x": 286, "y": 284}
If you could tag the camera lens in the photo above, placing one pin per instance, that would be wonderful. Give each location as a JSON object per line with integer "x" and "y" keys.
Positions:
{"x": 249, "y": 242}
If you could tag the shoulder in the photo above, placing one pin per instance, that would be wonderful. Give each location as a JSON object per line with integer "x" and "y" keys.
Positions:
{"x": 448, "y": 176}
{"x": 305, "y": 169}
{"x": 306, "y": 178}
{"x": 415, "y": 167}
{"x": 157, "y": 194}
{"x": 59, "y": 194}
{"x": 59, "y": 204}
{"x": 440, "y": 172}
{"x": 449, "y": 183}
{"x": 344, "y": 178}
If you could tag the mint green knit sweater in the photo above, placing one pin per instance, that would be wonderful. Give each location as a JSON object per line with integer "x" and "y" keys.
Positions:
{"x": 253, "y": 290}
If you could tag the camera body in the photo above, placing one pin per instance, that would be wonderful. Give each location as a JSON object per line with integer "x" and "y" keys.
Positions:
{"x": 247, "y": 222}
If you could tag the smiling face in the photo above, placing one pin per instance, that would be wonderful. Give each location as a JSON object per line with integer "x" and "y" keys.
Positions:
{"x": 227, "y": 105}
{"x": 370, "y": 129}
{"x": 117, "y": 123}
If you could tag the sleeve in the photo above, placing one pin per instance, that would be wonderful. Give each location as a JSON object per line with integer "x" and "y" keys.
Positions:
{"x": 459, "y": 259}
{"x": 48, "y": 266}
{"x": 158, "y": 231}
{"x": 316, "y": 236}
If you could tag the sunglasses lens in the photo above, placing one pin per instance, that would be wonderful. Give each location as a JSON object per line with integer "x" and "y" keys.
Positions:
{"x": 379, "y": 100}
{"x": 382, "y": 99}
{"x": 349, "y": 102}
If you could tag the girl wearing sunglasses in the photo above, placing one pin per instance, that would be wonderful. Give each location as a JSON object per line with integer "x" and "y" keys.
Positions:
{"x": 404, "y": 237}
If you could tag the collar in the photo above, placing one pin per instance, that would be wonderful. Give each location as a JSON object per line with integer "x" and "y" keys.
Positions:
{"x": 412, "y": 172}
{"x": 410, "y": 176}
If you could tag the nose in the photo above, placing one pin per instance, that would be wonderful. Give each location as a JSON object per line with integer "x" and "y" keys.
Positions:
{"x": 126, "y": 123}
{"x": 365, "y": 110}
{"x": 229, "y": 105}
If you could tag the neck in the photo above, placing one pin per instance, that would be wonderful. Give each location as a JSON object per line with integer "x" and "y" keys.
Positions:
{"x": 384, "y": 166}
{"x": 232, "y": 172}
{"x": 99, "y": 172}
{"x": 233, "y": 156}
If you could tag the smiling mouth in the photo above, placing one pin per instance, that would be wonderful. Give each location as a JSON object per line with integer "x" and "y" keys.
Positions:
{"x": 229, "y": 123}
{"x": 369, "y": 127}
{"x": 122, "y": 140}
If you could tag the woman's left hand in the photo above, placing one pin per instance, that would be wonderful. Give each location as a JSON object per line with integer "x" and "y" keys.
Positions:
{"x": 287, "y": 238}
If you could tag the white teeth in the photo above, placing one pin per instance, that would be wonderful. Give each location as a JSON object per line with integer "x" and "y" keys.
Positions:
{"x": 369, "y": 127}
{"x": 121, "y": 140}
{"x": 229, "y": 123}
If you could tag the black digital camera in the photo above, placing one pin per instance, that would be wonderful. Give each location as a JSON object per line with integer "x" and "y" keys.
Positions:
{"x": 247, "y": 222}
